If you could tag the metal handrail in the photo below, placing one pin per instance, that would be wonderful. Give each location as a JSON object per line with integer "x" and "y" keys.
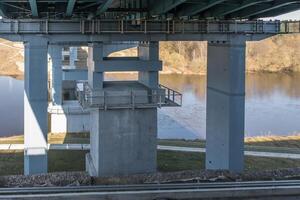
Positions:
{"x": 122, "y": 26}
{"x": 172, "y": 95}
{"x": 154, "y": 98}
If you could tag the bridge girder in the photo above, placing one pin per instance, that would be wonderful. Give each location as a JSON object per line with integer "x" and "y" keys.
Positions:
{"x": 70, "y": 7}
{"x": 103, "y": 7}
{"x": 194, "y": 9}
{"x": 34, "y": 8}
{"x": 228, "y": 8}
{"x": 262, "y": 8}
{"x": 130, "y": 9}
{"x": 278, "y": 11}
{"x": 165, "y": 6}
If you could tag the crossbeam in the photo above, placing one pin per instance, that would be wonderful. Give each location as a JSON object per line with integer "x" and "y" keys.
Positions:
{"x": 70, "y": 7}
{"x": 193, "y": 9}
{"x": 165, "y": 6}
{"x": 103, "y": 7}
{"x": 33, "y": 7}
{"x": 229, "y": 8}
{"x": 262, "y": 9}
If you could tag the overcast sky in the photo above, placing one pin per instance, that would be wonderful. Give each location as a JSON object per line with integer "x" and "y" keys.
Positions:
{"x": 290, "y": 16}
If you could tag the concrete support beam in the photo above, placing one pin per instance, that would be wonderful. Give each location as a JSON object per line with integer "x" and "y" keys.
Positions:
{"x": 95, "y": 57}
{"x": 35, "y": 106}
{"x": 73, "y": 56}
{"x": 55, "y": 52}
{"x": 150, "y": 52}
{"x": 225, "y": 106}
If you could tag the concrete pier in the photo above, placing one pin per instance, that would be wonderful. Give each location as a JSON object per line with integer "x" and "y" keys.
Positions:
{"x": 225, "y": 106}
{"x": 55, "y": 52}
{"x": 35, "y": 106}
{"x": 122, "y": 135}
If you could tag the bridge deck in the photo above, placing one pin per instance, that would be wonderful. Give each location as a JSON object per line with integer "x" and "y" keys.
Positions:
{"x": 139, "y": 9}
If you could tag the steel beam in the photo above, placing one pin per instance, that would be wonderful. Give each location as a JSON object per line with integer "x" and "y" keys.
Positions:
{"x": 165, "y": 6}
{"x": 2, "y": 12}
{"x": 229, "y": 8}
{"x": 34, "y": 9}
{"x": 279, "y": 11}
{"x": 262, "y": 9}
{"x": 103, "y": 7}
{"x": 70, "y": 7}
{"x": 194, "y": 9}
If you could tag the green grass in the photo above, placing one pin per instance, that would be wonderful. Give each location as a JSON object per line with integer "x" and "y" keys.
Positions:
{"x": 289, "y": 144}
{"x": 11, "y": 163}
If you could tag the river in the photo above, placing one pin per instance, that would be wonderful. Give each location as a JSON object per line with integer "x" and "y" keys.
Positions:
{"x": 272, "y": 106}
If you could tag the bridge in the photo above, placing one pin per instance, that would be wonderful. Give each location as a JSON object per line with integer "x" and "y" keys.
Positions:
{"x": 120, "y": 115}
{"x": 140, "y": 9}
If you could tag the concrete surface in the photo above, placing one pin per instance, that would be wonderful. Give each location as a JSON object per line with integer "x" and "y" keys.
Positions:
{"x": 225, "y": 107}
{"x": 123, "y": 141}
{"x": 35, "y": 106}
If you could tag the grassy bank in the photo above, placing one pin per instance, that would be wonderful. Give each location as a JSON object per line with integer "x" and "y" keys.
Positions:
{"x": 11, "y": 162}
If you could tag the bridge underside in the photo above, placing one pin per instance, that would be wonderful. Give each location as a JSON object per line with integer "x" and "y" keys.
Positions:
{"x": 146, "y": 9}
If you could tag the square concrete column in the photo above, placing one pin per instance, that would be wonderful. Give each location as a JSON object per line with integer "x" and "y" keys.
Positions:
{"x": 35, "y": 107}
{"x": 95, "y": 56}
{"x": 149, "y": 51}
{"x": 73, "y": 56}
{"x": 225, "y": 107}
{"x": 55, "y": 52}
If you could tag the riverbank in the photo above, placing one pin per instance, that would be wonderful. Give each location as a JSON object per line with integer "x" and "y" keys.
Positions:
{"x": 11, "y": 162}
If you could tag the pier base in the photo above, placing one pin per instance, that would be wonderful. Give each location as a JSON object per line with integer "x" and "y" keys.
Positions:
{"x": 123, "y": 142}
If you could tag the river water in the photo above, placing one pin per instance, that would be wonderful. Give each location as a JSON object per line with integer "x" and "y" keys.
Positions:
{"x": 272, "y": 106}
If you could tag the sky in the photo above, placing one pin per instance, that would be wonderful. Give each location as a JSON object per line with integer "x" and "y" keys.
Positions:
{"x": 289, "y": 16}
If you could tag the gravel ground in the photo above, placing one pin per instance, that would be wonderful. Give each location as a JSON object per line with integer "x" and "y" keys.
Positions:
{"x": 82, "y": 178}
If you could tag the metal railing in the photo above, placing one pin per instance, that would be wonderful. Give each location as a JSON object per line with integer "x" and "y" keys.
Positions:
{"x": 41, "y": 26}
{"x": 89, "y": 98}
{"x": 172, "y": 96}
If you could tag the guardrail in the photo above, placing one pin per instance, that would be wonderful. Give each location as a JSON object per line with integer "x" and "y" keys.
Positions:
{"x": 161, "y": 97}
{"x": 40, "y": 26}
{"x": 172, "y": 96}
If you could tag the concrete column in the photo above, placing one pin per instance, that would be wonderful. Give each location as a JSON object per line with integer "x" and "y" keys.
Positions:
{"x": 95, "y": 56}
{"x": 73, "y": 56}
{"x": 55, "y": 52}
{"x": 225, "y": 107}
{"x": 149, "y": 51}
{"x": 35, "y": 106}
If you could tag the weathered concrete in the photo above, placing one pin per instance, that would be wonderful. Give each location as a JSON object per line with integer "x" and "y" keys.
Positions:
{"x": 123, "y": 138}
{"x": 123, "y": 141}
{"x": 73, "y": 56}
{"x": 95, "y": 57}
{"x": 149, "y": 52}
{"x": 35, "y": 106}
{"x": 69, "y": 118}
{"x": 225, "y": 106}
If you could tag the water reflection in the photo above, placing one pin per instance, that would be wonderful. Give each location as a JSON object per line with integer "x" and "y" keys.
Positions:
{"x": 272, "y": 105}
{"x": 11, "y": 107}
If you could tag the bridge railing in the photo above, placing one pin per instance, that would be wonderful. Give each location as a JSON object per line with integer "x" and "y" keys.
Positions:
{"x": 37, "y": 26}
{"x": 177, "y": 26}
{"x": 95, "y": 98}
